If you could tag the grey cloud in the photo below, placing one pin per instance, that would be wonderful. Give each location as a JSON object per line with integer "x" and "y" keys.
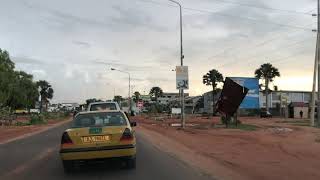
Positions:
{"x": 127, "y": 18}
{"x": 27, "y": 60}
{"x": 82, "y": 44}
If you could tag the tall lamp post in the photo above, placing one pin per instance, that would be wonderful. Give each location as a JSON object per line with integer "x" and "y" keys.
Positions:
{"x": 181, "y": 60}
{"x": 129, "y": 99}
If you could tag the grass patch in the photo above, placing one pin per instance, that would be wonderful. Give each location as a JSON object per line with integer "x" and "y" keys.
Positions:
{"x": 293, "y": 121}
{"x": 37, "y": 119}
{"x": 244, "y": 127}
{"x": 300, "y": 124}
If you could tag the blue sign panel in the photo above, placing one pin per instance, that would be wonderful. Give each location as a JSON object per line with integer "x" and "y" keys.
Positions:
{"x": 251, "y": 101}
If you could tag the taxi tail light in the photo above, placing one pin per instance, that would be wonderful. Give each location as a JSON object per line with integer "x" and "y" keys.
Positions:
{"x": 66, "y": 139}
{"x": 127, "y": 135}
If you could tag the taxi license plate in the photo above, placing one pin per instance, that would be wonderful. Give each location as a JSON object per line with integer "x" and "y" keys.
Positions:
{"x": 95, "y": 130}
{"x": 95, "y": 139}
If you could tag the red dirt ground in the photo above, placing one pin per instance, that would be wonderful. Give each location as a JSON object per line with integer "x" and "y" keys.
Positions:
{"x": 270, "y": 152}
{"x": 9, "y": 132}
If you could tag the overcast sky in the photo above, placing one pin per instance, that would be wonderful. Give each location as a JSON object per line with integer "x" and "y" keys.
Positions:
{"x": 74, "y": 43}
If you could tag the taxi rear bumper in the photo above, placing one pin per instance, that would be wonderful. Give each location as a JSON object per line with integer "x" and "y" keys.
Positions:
{"x": 98, "y": 152}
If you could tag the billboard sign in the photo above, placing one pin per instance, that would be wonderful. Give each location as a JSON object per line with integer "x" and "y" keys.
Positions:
{"x": 140, "y": 104}
{"x": 231, "y": 97}
{"x": 251, "y": 101}
{"x": 182, "y": 78}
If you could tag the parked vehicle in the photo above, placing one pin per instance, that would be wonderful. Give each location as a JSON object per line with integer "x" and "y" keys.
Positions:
{"x": 21, "y": 111}
{"x": 265, "y": 114}
{"x": 101, "y": 106}
{"x": 34, "y": 111}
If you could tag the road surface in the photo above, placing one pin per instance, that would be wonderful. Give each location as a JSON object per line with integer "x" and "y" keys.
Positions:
{"x": 37, "y": 157}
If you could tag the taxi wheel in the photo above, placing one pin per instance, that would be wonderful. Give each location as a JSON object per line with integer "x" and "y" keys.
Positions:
{"x": 67, "y": 166}
{"x": 131, "y": 163}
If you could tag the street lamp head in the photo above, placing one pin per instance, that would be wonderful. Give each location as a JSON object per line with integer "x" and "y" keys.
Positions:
{"x": 112, "y": 69}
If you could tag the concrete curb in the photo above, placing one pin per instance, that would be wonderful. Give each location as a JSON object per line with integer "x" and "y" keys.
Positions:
{"x": 23, "y": 136}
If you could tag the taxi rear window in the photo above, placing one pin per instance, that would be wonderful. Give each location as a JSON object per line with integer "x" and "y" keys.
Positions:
{"x": 101, "y": 107}
{"x": 99, "y": 119}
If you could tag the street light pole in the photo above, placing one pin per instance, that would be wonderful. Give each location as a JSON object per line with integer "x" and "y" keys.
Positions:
{"x": 181, "y": 91}
{"x": 318, "y": 60}
{"x": 129, "y": 92}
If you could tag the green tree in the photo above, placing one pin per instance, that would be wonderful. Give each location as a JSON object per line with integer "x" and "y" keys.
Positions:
{"x": 118, "y": 99}
{"x": 212, "y": 78}
{"x": 17, "y": 89}
{"x": 92, "y": 100}
{"x": 6, "y": 77}
{"x": 136, "y": 97}
{"x": 155, "y": 93}
{"x": 24, "y": 92}
{"x": 267, "y": 72}
{"x": 46, "y": 93}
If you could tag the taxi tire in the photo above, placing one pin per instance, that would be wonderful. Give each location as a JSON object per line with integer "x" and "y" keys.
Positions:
{"x": 67, "y": 166}
{"x": 131, "y": 163}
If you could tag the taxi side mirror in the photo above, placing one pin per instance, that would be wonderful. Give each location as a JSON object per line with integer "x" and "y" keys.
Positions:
{"x": 133, "y": 124}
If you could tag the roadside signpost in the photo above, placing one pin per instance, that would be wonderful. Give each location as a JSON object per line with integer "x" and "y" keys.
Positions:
{"x": 182, "y": 83}
{"x": 182, "y": 77}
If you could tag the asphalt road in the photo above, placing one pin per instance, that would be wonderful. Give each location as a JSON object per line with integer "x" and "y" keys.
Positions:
{"x": 37, "y": 157}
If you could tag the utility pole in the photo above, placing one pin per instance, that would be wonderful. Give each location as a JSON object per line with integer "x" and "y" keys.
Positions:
{"x": 313, "y": 95}
{"x": 318, "y": 60}
{"x": 183, "y": 122}
{"x": 129, "y": 91}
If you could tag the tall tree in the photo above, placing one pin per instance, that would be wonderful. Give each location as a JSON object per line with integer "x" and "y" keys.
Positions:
{"x": 267, "y": 72}
{"x": 17, "y": 89}
{"x": 155, "y": 93}
{"x": 118, "y": 99}
{"x": 212, "y": 78}
{"x": 6, "y": 77}
{"x": 46, "y": 93}
{"x": 24, "y": 92}
{"x": 136, "y": 97}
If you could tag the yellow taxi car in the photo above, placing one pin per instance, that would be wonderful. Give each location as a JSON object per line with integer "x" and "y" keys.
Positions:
{"x": 99, "y": 135}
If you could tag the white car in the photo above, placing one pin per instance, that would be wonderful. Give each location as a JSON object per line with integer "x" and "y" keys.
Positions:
{"x": 35, "y": 111}
{"x": 100, "y": 106}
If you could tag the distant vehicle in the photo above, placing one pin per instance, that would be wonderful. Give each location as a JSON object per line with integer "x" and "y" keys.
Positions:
{"x": 98, "y": 135}
{"x": 21, "y": 111}
{"x": 34, "y": 111}
{"x": 265, "y": 114}
{"x": 52, "y": 109}
{"x": 101, "y": 106}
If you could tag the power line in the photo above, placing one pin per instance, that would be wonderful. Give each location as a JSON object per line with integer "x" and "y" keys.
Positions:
{"x": 228, "y": 15}
{"x": 259, "y": 44}
{"x": 249, "y": 18}
{"x": 260, "y": 7}
{"x": 268, "y": 52}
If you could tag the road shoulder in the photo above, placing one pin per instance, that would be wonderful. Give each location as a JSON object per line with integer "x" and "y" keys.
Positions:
{"x": 189, "y": 156}
{"x": 14, "y": 133}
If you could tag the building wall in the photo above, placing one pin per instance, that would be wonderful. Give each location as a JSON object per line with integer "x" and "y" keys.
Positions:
{"x": 296, "y": 111}
{"x": 293, "y": 96}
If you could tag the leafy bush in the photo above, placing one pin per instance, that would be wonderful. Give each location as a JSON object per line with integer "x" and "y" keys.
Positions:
{"x": 224, "y": 119}
{"x": 37, "y": 119}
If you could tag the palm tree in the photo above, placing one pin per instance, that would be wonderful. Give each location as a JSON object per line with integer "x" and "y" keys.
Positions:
{"x": 212, "y": 78}
{"x": 46, "y": 93}
{"x": 267, "y": 72}
{"x": 156, "y": 92}
{"x": 136, "y": 96}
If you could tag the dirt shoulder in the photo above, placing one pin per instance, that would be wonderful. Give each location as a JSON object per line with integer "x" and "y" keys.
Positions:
{"x": 276, "y": 150}
{"x": 12, "y": 133}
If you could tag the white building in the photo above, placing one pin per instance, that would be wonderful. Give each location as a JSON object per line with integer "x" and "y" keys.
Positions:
{"x": 291, "y": 96}
{"x": 167, "y": 97}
